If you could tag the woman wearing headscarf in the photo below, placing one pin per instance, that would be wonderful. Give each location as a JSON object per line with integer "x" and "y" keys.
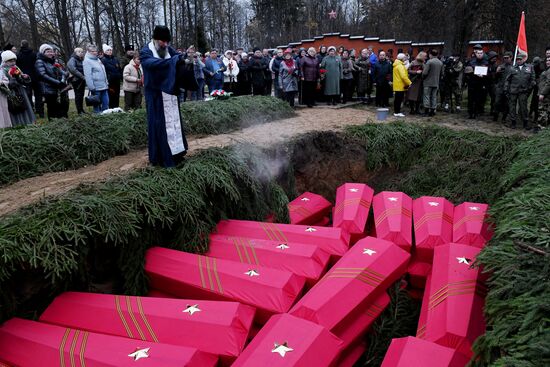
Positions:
{"x": 51, "y": 77}
{"x": 333, "y": 66}
{"x": 414, "y": 93}
{"x": 363, "y": 67}
{"x": 14, "y": 82}
{"x": 401, "y": 82}
{"x": 288, "y": 77}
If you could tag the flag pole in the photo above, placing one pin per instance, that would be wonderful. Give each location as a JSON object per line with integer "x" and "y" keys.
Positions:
{"x": 515, "y": 55}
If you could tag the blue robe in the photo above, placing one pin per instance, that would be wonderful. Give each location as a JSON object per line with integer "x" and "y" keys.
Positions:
{"x": 167, "y": 142}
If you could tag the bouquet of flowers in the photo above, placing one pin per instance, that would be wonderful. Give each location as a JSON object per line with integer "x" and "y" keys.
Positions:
{"x": 14, "y": 71}
{"x": 220, "y": 94}
{"x": 323, "y": 73}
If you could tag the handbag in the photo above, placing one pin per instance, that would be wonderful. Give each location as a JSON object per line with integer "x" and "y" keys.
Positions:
{"x": 16, "y": 102}
{"x": 92, "y": 100}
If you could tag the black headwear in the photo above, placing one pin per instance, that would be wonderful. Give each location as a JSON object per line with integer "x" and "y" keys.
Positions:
{"x": 162, "y": 33}
{"x": 128, "y": 48}
{"x": 8, "y": 47}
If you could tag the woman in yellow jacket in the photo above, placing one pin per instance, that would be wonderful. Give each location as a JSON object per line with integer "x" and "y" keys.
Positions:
{"x": 401, "y": 82}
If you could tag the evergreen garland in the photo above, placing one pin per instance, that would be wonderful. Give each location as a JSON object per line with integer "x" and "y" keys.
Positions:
{"x": 66, "y": 144}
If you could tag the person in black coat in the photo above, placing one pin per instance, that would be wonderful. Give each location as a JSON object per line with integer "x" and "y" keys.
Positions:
{"x": 267, "y": 73}
{"x": 258, "y": 71}
{"x": 114, "y": 75}
{"x": 78, "y": 81}
{"x": 51, "y": 76}
{"x": 26, "y": 59}
{"x": 243, "y": 82}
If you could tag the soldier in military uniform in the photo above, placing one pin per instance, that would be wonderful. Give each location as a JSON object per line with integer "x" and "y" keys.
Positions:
{"x": 538, "y": 67}
{"x": 501, "y": 101}
{"x": 452, "y": 83}
{"x": 544, "y": 97}
{"x": 519, "y": 84}
{"x": 491, "y": 78}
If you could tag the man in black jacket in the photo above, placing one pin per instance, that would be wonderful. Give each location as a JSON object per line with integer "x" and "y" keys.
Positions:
{"x": 76, "y": 69}
{"x": 258, "y": 71}
{"x": 26, "y": 59}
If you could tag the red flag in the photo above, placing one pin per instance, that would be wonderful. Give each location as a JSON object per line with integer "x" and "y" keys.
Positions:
{"x": 521, "y": 44}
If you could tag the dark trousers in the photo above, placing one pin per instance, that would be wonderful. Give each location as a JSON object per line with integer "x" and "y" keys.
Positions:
{"x": 476, "y": 98}
{"x": 258, "y": 89}
{"x": 519, "y": 100}
{"x": 397, "y": 101}
{"x": 382, "y": 95}
{"x": 534, "y": 107}
{"x": 347, "y": 91}
{"x": 79, "y": 88}
{"x": 38, "y": 104}
{"x": 132, "y": 100}
{"x": 501, "y": 105}
{"x": 289, "y": 97}
{"x": 114, "y": 94}
{"x": 308, "y": 90}
{"x": 230, "y": 87}
{"x": 268, "y": 86}
{"x": 55, "y": 110}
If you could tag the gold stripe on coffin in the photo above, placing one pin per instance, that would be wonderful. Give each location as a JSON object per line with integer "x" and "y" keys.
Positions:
{"x": 468, "y": 218}
{"x": 133, "y": 317}
{"x": 210, "y": 281}
{"x": 421, "y": 331}
{"x": 220, "y": 289}
{"x": 352, "y": 201}
{"x": 145, "y": 321}
{"x": 364, "y": 275}
{"x": 82, "y": 351}
{"x": 73, "y": 346}
{"x": 430, "y": 216}
{"x": 62, "y": 347}
{"x": 203, "y": 282}
{"x": 392, "y": 211}
{"x": 122, "y": 318}
{"x": 456, "y": 289}
{"x": 236, "y": 244}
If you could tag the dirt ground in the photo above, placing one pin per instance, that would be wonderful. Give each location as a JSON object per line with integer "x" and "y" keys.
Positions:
{"x": 323, "y": 118}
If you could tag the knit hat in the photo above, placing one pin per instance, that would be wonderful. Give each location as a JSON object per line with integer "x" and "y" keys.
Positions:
{"x": 162, "y": 33}
{"x": 8, "y": 55}
{"x": 491, "y": 54}
{"x": 107, "y": 48}
{"x": 331, "y": 48}
{"x": 256, "y": 49}
{"x": 228, "y": 52}
{"x": 44, "y": 47}
{"x": 288, "y": 51}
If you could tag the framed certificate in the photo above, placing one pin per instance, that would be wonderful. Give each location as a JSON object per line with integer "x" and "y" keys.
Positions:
{"x": 481, "y": 70}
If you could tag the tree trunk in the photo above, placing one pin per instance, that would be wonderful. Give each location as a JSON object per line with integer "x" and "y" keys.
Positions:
{"x": 2, "y": 37}
{"x": 64, "y": 26}
{"x": 31, "y": 12}
{"x": 97, "y": 26}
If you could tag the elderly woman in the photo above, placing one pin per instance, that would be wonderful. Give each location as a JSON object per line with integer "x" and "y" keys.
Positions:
{"x": 346, "y": 84}
{"x": 401, "y": 82}
{"x": 132, "y": 84}
{"x": 288, "y": 77}
{"x": 363, "y": 67}
{"x": 414, "y": 93}
{"x": 96, "y": 78}
{"x": 14, "y": 81}
{"x": 309, "y": 71}
{"x": 52, "y": 76}
{"x": 333, "y": 66}
{"x": 230, "y": 73}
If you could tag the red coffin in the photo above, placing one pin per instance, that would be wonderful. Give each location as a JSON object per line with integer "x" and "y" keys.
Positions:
{"x": 30, "y": 344}
{"x": 304, "y": 260}
{"x": 414, "y": 352}
{"x": 219, "y": 328}
{"x": 393, "y": 218}
{"x": 323, "y": 222}
{"x": 354, "y": 282}
{"x": 418, "y": 272}
{"x": 421, "y": 330}
{"x": 286, "y": 340}
{"x": 308, "y": 208}
{"x": 332, "y": 240}
{"x": 349, "y": 357}
{"x": 352, "y": 207}
{"x": 470, "y": 226}
{"x": 433, "y": 225}
{"x": 355, "y": 327}
{"x": 455, "y": 308}
{"x": 194, "y": 276}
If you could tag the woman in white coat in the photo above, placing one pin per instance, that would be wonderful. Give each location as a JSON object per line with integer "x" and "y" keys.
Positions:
{"x": 230, "y": 73}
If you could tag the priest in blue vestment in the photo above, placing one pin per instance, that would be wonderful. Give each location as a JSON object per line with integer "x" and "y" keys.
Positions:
{"x": 160, "y": 63}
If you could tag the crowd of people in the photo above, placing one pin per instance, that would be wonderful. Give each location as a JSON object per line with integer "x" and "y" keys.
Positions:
{"x": 425, "y": 84}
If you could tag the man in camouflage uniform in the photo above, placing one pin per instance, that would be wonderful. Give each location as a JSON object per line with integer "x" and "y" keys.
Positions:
{"x": 519, "y": 84}
{"x": 501, "y": 101}
{"x": 544, "y": 97}
{"x": 452, "y": 83}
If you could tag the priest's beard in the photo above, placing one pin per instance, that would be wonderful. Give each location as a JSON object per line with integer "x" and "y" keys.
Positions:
{"x": 161, "y": 50}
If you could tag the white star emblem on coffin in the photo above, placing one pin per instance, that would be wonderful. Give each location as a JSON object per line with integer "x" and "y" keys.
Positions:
{"x": 311, "y": 229}
{"x": 392, "y": 199}
{"x": 354, "y": 190}
{"x": 139, "y": 354}
{"x": 191, "y": 309}
{"x": 463, "y": 260}
{"x": 474, "y": 208}
{"x": 252, "y": 273}
{"x": 283, "y": 246}
{"x": 433, "y": 203}
{"x": 304, "y": 199}
{"x": 368, "y": 251}
{"x": 282, "y": 349}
